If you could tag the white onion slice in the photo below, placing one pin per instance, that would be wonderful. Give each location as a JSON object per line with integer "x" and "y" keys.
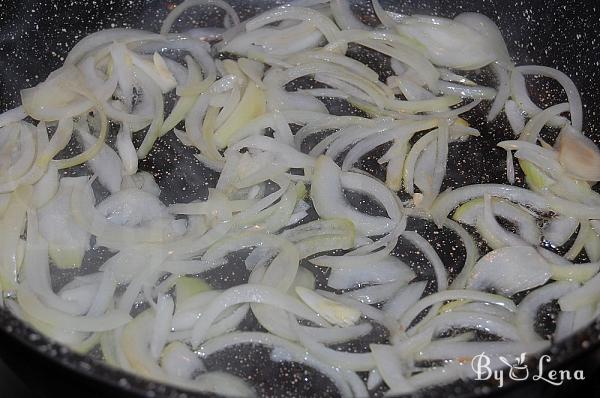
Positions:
{"x": 253, "y": 294}
{"x": 446, "y": 295}
{"x": 67, "y": 240}
{"x": 576, "y": 109}
{"x": 451, "y": 199}
{"x": 587, "y": 294}
{"x": 339, "y": 359}
{"x": 329, "y": 201}
{"x": 297, "y": 353}
{"x": 386, "y": 270}
{"x": 330, "y": 310}
{"x": 106, "y": 164}
{"x": 35, "y": 308}
{"x": 391, "y": 369}
{"x": 162, "y": 325}
{"x": 12, "y": 116}
{"x": 179, "y": 361}
{"x": 472, "y": 320}
{"x": 439, "y": 269}
{"x": 376, "y": 293}
{"x": 510, "y": 270}
{"x": 528, "y": 308}
{"x": 405, "y": 298}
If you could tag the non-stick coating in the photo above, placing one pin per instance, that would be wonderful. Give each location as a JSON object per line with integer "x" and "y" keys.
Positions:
{"x": 35, "y": 37}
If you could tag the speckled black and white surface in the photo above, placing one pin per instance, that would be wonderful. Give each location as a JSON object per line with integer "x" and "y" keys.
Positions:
{"x": 36, "y": 36}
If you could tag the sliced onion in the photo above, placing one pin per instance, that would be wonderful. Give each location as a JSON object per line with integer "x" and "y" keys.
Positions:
{"x": 528, "y": 308}
{"x": 576, "y": 109}
{"x": 330, "y": 310}
{"x": 494, "y": 234}
{"x": 106, "y": 164}
{"x": 329, "y": 202}
{"x": 338, "y": 359}
{"x": 391, "y": 369}
{"x": 35, "y": 308}
{"x": 67, "y": 240}
{"x": 45, "y": 189}
{"x": 514, "y": 116}
{"x": 162, "y": 325}
{"x": 438, "y": 297}
{"x": 376, "y": 293}
{"x": 324, "y": 24}
{"x": 12, "y": 116}
{"x": 585, "y": 295}
{"x": 297, "y": 353}
{"x": 472, "y": 320}
{"x": 181, "y": 8}
{"x": 386, "y": 270}
{"x": 405, "y": 298}
{"x": 88, "y": 217}
{"x": 450, "y": 199}
{"x": 179, "y": 361}
{"x": 344, "y": 17}
{"x": 441, "y": 275}
{"x": 444, "y": 39}
{"x": 249, "y": 293}
{"x": 510, "y": 270}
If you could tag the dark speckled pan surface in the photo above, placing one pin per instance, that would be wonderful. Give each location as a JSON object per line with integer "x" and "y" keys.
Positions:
{"x": 35, "y": 36}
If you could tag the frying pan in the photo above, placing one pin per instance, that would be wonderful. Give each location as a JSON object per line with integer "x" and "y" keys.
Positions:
{"x": 36, "y": 35}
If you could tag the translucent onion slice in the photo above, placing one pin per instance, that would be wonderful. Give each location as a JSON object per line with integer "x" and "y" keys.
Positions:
{"x": 35, "y": 308}
{"x": 338, "y": 359}
{"x": 179, "y": 361}
{"x": 295, "y": 351}
{"x": 472, "y": 320}
{"x": 376, "y": 293}
{"x": 104, "y": 37}
{"x": 330, "y": 310}
{"x": 559, "y": 229}
{"x": 441, "y": 275}
{"x": 12, "y": 116}
{"x": 405, "y": 298}
{"x": 587, "y": 294}
{"x": 24, "y": 149}
{"x": 86, "y": 215}
{"x": 510, "y": 270}
{"x": 67, "y": 241}
{"x": 329, "y": 202}
{"x": 451, "y": 199}
{"x": 92, "y": 150}
{"x": 106, "y": 164}
{"x": 161, "y": 325}
{"x": 386, "y": 270}
{"x": 321, "y": 22}
{"x": 576, "y": 109}
{"x": 391, "y": 369}
{"x": 515, "y": 117}
{"x": 181, "y": 8}
{"x": 36, "y": 273}
{"x": 58, "y": 97}
{"x": 528, "y": 308}
{"x": 45, "y": 189}
{"x": 443, "y": 39}
{"x": 249, "y": 293}
{"x": 447, "y": 295}
{"x": 493, "y": 233}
